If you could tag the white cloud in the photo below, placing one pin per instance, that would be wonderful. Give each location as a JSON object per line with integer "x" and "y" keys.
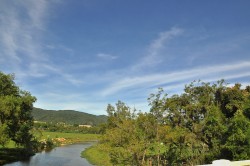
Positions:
{"x": 37, "y": 12}
{"x": 22, "y": 25}
{"x": 135, "y": 78}
{"x": 227, "y": 71}
{"x": 163, "y": 37}
{"x": 153, "y": 57}
{"x": 106, "y": 56}
{"x": 20, "y": 35}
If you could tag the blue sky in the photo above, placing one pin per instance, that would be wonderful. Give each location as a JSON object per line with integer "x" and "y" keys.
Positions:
{"x": 84, "y": 54}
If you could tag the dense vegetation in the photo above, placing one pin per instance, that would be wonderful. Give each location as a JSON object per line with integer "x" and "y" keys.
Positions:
{"x": 16, "y": 120}
{"x": 206, "y": 122}
{"x": 67, "y": 116}
{"x": 15, "y": 113}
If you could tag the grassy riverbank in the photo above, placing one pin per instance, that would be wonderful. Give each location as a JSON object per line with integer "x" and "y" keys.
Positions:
{"x": 11, "y": 153}
{"x": 96, "y": 156}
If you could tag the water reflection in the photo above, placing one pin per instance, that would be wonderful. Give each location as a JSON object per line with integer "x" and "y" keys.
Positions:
{"x": 61, "y": 156}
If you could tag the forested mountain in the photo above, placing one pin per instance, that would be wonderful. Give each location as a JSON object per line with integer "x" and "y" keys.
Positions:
{"x": 67, "y": 116}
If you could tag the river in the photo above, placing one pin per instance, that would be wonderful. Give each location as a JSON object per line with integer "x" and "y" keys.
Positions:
{"x": 68, "y": 155}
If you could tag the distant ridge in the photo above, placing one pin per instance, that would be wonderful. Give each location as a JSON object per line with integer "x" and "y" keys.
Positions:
{"x": 67, "y": 116}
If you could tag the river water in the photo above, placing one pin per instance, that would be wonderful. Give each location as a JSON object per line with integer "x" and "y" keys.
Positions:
{"x": 68, "y": 155}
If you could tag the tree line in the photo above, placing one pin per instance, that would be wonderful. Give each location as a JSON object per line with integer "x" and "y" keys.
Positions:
{"x": 68, "y": 128}
{"x": 204, "y": 123}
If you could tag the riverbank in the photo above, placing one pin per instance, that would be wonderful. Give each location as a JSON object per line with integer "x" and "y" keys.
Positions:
{"x": 11, "y": 153}
{"x": 96, "y": 156}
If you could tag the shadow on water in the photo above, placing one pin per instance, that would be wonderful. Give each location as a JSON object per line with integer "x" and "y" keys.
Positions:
{"x": 61, "y": 156}
{"x": 14, "y": 154}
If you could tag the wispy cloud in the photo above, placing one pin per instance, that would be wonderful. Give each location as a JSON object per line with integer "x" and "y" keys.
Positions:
{"x": 227, "y": 71}
{"x": 37, "y": 12}
{"x": 126, "y": 81}
{"x": 22, "y": 27}
{"x": 106, "y": 56}
{"x": 163, "y": 37}
{"x": 20, "y": 35}
{"x": 153, "y": 56}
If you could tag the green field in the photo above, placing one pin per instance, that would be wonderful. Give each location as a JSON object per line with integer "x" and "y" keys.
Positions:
{"x": 70, "y": 137}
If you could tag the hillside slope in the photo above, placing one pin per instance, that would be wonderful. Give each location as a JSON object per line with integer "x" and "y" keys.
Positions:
{"x": 67, "y": 116}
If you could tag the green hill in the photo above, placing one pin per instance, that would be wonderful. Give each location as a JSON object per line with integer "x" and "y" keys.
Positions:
{"x": 67, "y": 116}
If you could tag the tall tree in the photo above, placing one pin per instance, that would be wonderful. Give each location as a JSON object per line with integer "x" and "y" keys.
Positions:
{"x": 237, "y": 143}
{"x": 15, "y": 111}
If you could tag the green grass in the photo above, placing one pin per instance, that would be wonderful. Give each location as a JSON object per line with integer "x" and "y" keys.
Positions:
{"x": 96, "y": 156}
{"x": 70, "y": 137}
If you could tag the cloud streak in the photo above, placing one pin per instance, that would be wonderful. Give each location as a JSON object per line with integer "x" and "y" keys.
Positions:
{"x": 106, "y": 56}
{"x": 163, "y": 37}
{"x": 153, "y": 56}
{"x": 228, "y": 71}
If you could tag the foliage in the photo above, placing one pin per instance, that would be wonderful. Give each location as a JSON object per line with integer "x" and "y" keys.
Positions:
{"x": 237, "y": 142}
{"x": 15, "y": 112}
{"x": 205, "y": 123}
{"x": 4, "y": 138}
